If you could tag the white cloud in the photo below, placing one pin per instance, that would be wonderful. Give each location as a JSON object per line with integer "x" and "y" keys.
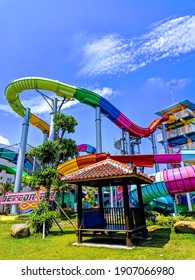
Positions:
{"x": 179, "y": 83}
{"x": 113, "y": 54}
{"x": 174, "y": 84}
{"x": 105, "y": 92}
{"x": 39, "y": 106}
{"x": 70, "y": 103}
{"x": 4, "y": 140}
{"x": 98, "y": 54}
{"x": 7, "y": 109}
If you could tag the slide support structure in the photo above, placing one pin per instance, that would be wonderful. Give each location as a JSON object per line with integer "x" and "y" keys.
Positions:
{"x": 54, "y": 110}
{"x": 175, "y": 206}
{"x": 189, "y": 201}
{"x": 165, "y": 143}
{"x": 21, "y": 158}
{"x": 125, "y": 142}
{"x": 128, "y": 142}
{"x": 45, "y": 137}
{"x": 98, "y": 130}
{"x": 154, "y": 149}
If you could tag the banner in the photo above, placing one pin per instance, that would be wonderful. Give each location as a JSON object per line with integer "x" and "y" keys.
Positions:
{"x": 26, "y": 200}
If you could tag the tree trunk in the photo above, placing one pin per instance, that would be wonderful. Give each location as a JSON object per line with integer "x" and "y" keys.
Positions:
{"x": 47, "y": 193}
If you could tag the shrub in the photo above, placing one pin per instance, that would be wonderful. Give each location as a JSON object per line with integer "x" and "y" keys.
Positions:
{"x": 40, "y": 215}
{"x": 169, "y": 221}
{"x": 188, "y": 214}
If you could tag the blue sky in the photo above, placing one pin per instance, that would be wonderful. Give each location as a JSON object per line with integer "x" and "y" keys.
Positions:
{"x": 131, "y": 52}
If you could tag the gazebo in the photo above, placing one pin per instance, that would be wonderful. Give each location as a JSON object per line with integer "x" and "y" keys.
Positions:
{"x": 127, "y": 219}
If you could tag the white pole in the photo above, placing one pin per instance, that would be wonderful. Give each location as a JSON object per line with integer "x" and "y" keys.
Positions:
{"x": 43, "y": 229}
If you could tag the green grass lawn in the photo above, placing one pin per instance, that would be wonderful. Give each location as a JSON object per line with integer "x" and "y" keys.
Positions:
{"x": 165, "y": 244}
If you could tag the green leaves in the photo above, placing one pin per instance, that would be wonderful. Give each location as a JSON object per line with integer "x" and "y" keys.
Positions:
{"x": 64, "y": 123}
{"x": 66, "y": 149}
{"x": 45, "y": 152}
{"x": 40, "y": 215}
{"x": 45, "y": 177}
{"x": 51, "y": 153}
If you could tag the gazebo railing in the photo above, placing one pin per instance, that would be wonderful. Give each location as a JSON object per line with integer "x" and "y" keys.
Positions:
{"x": 114, "y": 215}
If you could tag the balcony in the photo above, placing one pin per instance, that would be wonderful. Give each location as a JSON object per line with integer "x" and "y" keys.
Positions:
{"x": 174, "y": 150}
{"x": 187, "y": 113}
{"x": 183, "y": 131}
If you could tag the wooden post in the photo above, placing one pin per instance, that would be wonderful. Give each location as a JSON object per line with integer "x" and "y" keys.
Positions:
{"x": 79, "y": 212}
{"x": 100, "y": 199}
{"x": 141, "y": 208}
{"x": 127, "y": 213}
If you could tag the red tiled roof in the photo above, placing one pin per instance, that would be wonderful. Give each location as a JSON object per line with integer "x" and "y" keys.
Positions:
{"x": 104, "y": 169}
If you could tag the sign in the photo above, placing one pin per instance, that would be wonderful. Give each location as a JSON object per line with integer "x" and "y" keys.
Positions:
{"x": 26, "y": 200}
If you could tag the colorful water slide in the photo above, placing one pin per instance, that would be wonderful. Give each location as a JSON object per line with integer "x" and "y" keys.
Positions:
{"x": 85, "y": 96}
{"x": 146, "y": 160}
{"x": 86, "y": 148}
{"x": 92, "y": 99}
{"x": 13, "y": 170}
{"x": 168, "y": 183}
{"x": 158, "y": 196}
{"x": 12, "y": 156}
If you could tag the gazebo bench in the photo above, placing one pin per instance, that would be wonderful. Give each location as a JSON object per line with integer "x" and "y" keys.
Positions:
{"x": 94, "y": 221}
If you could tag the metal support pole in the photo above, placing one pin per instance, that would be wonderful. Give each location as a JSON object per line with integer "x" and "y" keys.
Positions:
{"x": 138, "y": 147}
{"x": 54, "y": 110}
{"x": 124, "y": 141}
{"x": 34, "y": 164}
{"x": 21, "y": 158}
{"x": 45, "y": 137}
{"x": 128, "y": 142}
{"x": 132, "y": 146}
{"x": 98, "y": 130}
{"x": 189, "y": 202}
{"x": 154, "y": 149}
{"x": 175, "y": 206}
{"x": 165, "y": 143}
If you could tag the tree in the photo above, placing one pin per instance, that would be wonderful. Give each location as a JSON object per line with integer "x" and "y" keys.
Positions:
{"x": 51, "y": 153}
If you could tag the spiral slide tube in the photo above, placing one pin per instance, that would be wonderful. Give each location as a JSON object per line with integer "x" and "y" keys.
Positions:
{"x": 86, "y": 148}
{"x": 148, "y": 160}
{"x": 12, "y": 170}
{"x": 12, "y": 156}
{"x": 168, "y": 183}
{"x": 85, "y": 96}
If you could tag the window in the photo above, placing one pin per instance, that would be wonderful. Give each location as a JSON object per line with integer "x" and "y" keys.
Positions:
{"x": 9, "y": 180}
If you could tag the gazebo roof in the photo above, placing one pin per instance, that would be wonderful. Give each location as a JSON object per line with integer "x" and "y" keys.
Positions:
{"x": 107, "y": 172}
